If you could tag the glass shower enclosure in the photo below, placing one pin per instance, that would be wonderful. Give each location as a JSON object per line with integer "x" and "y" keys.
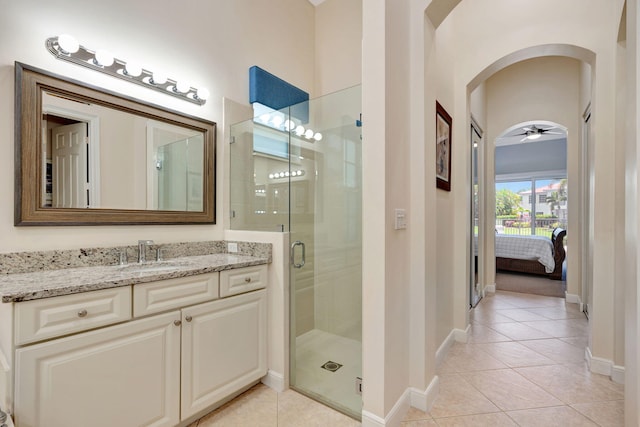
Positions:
{"x": 298, "y": 170}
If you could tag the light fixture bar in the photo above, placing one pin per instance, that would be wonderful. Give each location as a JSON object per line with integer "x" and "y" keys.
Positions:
{"x": 118, "y": 68}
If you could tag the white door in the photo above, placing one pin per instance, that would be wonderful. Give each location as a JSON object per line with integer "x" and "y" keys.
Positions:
{"x": 69, "y": 166}
{"x": 124, "y": 375}
{"x": 224, "y": 348}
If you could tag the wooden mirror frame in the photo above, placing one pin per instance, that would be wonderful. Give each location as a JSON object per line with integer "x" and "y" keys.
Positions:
{"x": 30, "y": 84}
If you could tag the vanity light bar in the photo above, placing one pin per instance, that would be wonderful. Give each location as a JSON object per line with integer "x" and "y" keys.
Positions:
{"x": 286, "y": 174}
{"x": 67, "y": 48}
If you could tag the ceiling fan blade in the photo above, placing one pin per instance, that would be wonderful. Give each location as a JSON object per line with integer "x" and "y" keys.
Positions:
{"x": 524, "y": 139}
{"x": 554, "y": 133}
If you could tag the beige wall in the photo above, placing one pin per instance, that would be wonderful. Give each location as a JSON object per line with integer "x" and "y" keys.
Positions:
{"x": 207, "y": 55}
{"x": 620, "y": 202}
{"x": 632, "y": 296}
{"x": 338, "y": 45}
{"x": 444, "y": 63}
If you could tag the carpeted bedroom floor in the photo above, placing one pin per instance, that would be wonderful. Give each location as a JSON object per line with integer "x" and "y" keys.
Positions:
{"x": 530, "y": 284}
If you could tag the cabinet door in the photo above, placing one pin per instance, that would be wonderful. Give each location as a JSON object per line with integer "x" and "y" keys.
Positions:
{"x": 224, "y": 348}
{"x": 124, "y": 375}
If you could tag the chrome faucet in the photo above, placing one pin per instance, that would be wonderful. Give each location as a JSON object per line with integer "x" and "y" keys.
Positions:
{"x": 142, "y": 250}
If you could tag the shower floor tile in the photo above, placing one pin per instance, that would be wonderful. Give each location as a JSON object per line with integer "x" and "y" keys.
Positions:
{"x": 314, "y": 349}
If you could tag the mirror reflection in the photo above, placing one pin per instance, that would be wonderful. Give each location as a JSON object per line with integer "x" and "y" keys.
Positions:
{"x": 86, "y": 156}
{"x": 99, "y": 157}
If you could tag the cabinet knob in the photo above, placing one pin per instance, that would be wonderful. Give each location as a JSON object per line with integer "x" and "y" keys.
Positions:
{"x": 177, "y": 322}
{"x": 188, "y": 318}
{"x": 247, "y": 279}
{"x": 82, "y": 313}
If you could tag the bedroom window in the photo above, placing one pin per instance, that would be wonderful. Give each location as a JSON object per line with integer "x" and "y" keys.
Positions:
{"x": 533, "y": 206}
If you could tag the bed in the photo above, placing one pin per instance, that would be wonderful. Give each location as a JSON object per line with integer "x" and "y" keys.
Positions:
{"x": 532, "y": 254}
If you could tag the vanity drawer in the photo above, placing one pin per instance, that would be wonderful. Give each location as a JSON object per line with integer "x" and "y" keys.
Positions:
{"x": 163, "y": 295}
{"x": 240, "y": 280}
{"x": 51, "y": 317}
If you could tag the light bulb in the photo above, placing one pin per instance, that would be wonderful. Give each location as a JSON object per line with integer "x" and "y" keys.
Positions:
{"x": 103, "y": 58}
{"x": 264, "y": 118}
{"x": 299, "y": 130}
{"x": 203, "y": 93}
{"x": 286, "y": 174}
{"x": 317, "y": 136}
{"x": 289, "y": 124}
{"x": 270, "y": 176}
{"x": 132, "y": 69}
{"x": 68, "y": 44}
{"x": 308, "y": 134}
{"x": 277, "y": 120}
{"x": 182, "y": 86}
{"x": 534, "y": 136}
{"x": 158, "y": 78}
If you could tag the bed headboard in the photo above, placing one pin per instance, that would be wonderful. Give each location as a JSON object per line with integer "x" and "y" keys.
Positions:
{"x": 557, "y": 238}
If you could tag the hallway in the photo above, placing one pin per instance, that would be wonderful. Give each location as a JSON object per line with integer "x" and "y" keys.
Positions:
{"x": 523, "y": 366}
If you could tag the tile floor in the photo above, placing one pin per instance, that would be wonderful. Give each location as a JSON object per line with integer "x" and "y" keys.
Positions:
{"x": 523, "y": 366}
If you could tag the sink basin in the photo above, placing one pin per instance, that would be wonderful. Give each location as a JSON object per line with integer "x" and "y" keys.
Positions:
{"x": 141, "y": 268}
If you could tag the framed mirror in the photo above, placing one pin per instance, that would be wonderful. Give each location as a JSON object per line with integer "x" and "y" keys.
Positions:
{"x": 85, "y": 156}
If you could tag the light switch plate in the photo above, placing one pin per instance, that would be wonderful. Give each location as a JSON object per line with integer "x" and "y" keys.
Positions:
{"x": 232, "y": 247}
{"x": 401, "y": 219}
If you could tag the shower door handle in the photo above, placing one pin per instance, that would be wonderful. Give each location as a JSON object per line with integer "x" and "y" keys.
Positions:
{"x": 293, "y": 254}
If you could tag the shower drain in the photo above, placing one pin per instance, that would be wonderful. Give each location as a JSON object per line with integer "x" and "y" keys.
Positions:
{"x": 331, "y": 366}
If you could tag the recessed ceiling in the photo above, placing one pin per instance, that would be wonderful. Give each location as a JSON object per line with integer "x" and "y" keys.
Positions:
{"x": 531, "y": 132}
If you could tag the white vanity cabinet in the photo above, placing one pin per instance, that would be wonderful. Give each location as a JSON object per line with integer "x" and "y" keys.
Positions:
{"x": 174, "y": 356}
{"x": 224, "y": 348}
{"x": 123, "y": 375}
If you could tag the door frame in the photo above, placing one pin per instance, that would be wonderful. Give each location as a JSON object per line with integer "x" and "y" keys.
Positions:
{"x": 476, "y": 291}
{"x": 93, "y": 156}
{"x": 587, "y": 282}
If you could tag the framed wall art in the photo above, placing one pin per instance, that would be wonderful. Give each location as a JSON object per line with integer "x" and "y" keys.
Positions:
{"x": 443, "y": 148}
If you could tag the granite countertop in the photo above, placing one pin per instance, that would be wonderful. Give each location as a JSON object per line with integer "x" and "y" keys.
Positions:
{"x": 44, "y": 284}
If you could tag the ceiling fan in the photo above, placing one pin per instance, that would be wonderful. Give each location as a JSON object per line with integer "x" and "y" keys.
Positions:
{"x": 534, "y": 132}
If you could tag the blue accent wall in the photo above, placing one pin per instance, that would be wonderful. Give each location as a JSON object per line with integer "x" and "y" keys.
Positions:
{"x": 276, "y": 93}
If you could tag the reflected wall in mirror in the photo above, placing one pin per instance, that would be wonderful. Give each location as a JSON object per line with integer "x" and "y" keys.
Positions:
{"x": 86, "y": 156}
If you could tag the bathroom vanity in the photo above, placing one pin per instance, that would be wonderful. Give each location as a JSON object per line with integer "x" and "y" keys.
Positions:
{"x": 154, "y": 344}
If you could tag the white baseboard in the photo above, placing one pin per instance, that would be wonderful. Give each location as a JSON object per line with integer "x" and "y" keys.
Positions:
{"x": 442, "y": 351}
{"x": 371, "y": 420}
{"x": 456, "y": 335}
{"x": 275, "y": 381}
{"x": 617, "y": 374}
{"x": 573, "y": 299}
{"x": 460, "y": 335}
{"x": 394, "y": 417}
{"x": 423, "y": 400}
{"x": 491, "y": 289}
{"x": 412, "y": 396}
{"x": 606, "y": 367}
